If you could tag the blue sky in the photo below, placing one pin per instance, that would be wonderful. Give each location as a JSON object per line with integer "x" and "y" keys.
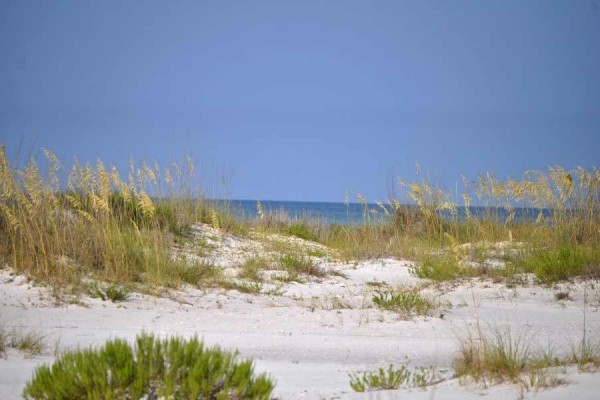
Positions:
{"x": 306, "y": 100}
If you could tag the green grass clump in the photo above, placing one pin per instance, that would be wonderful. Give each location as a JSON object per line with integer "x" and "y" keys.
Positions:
{"x": 391, "y": 378}
{"x": 167, "y": 368}
{"x": 116, "y": 293}
{"x": 439, "y": 269}
{"x": 251, "y": 269}
{"x": 3, "y": 340}
{"x": 303, "y": 231}
{"x": 498, "y": 356}
{"x": 295, "y": 265}
{"x": 196, "y": 274}
{"x": 407, "y": 302}
{"x": 242, "y": 287}
{"x": 93, "y": 290}
{"x": 30, "y": 342}
{"x": 586, "y": 353}
{"x": 551, "y": 266}
{"x": 381, "y": 380}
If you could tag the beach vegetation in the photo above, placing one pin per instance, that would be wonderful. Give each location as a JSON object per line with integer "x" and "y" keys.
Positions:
{"x": 242, "y": 287}
{"x": 296, "y": 264}
{"x": 439, "y": 268}
{"x": 562, "y": 295}
{"x": 3, "y": 340}
{"x": 60, "y": 226}
{"x": 252, "y": 267}
{"x": 151, "y": 368}
{"x": 302, "y": 230}
{"x": 547, "y": 224}
{"x": 391, "y": 378}
{"x": 586, "y": 353}
{"x": 494, "y": 356}
{"x": 116, "y": 293}
{"x": 567, "y": 262}
{"x": 29, "y": 341}
{"x": 407, "y": 302}
{"x": 196, "y": 274}
{"x": 499, "y": 355}
{"x": 64, "y": 226}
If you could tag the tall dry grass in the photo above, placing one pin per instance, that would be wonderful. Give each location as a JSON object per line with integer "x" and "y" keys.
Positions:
{"x": 554, "y": 215}
{"x": 58, "y": 226}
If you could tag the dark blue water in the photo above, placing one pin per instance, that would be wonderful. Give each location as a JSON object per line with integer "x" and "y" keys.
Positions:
{"x": 355, "y": 213}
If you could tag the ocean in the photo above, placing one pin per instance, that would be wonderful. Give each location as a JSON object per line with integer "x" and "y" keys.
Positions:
{"x": 351, "y": 213}
{"x": 341, "y": 213}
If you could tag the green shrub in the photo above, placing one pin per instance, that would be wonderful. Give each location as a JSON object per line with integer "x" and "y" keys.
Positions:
{"x": 168, "y": 368}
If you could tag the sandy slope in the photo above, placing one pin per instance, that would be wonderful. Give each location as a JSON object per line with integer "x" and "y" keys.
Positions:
{"x": 310, "y": 336}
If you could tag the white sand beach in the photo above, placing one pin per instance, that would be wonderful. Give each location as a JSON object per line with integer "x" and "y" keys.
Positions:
{"x": 310, "y": 336}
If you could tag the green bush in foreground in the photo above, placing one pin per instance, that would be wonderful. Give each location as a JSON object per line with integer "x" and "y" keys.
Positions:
{"x": 168, "y": 368}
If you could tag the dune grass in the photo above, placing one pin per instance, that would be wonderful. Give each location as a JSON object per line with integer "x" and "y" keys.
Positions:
{"x": 495, "y": 355}
{"x": 556, "y": 238}
{"x": 29, "y": 341}
{"x": 298, "y": 264}
{"x": 391, "y": 378}
{"x": 59, "y": 226}
{"x": 407, "y": 302}
{"x": 252, "y": 267}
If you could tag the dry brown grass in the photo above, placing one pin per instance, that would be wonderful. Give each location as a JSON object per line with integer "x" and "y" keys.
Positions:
{"x": 58, "y": 226}
{"x": 554, "y": 214}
